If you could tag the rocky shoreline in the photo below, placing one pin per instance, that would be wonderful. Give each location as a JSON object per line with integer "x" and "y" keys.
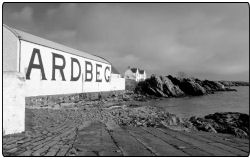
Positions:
{"x": 130, "y": 109}
{"x": 169, "y": 86}
{"x": 61, "y": 130}
{"x": 227, "y": 122}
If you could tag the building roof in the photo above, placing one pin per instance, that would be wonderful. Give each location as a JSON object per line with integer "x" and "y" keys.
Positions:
{"x": 114, "y": 70}
{"x": 141, "y": 71}
{"x": 40, "y": 41}
{"x": 133, "y": 70}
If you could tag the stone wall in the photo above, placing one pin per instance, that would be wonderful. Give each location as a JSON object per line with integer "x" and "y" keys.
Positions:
{"x": 52, "y": 100}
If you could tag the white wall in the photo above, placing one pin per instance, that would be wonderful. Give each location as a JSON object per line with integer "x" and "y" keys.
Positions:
{"x": 13, "y": 103}
{"x": 10, "y": 51}
{"x": 36, "y": 86}
{"x": 117, "y": 83}
{"x": 115, "y": 75}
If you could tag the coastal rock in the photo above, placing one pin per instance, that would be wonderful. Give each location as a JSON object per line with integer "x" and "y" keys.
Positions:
{"x": 160, "y": 93}
{"x": 227, "y": 83}
{"x": 228, "y": 122}
{"x": 202, "y": 125}
{"x": 165, "y": 87}
{"x": 234, "y": 83}
{"x": 155, "y": 82}
{"x": 212, "y": 85}
{"x": 230, "y": 89}
{"x": 239, "y": 132}
{"x": 169, "y": 86}
{"x": 151, "y": 86}
{"x": 188, "y": 86}
{"x": 210, "y": 128}
{"x": 192, "y": 88}
{"x": 170, "y": 89}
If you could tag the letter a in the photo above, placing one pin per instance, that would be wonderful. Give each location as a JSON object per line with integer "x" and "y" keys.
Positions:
{"x": 35, "y": 66}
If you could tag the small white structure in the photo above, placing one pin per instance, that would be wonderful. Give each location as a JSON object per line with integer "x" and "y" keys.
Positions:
{"x": 135, "y": 74}
{"x": 48, "y": 68}
{"x": 117, "y": 82}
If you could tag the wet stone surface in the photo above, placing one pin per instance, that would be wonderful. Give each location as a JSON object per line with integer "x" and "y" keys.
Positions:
{"x": 114, "y": 127}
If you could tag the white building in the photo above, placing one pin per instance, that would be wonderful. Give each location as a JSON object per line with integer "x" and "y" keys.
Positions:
{"x": 50, "y": 68}
{"x": 33, "y": 66}
{"x": 135, "y": 74}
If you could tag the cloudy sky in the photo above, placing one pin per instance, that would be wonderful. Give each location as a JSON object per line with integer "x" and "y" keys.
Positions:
{"x": 204, "y": 40}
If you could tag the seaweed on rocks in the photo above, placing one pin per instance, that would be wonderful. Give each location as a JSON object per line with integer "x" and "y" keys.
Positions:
{"x": 227, "y": 122}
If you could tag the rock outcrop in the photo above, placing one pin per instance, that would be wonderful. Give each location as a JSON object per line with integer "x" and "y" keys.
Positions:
{"x": 188, "y": 86}
{"x": 169, "y": 86}
{"x": 159, "y": 86}
{"x": 234, "y": 83}
{"x": 229, "y": 122}
{"x": 213, "y": 85}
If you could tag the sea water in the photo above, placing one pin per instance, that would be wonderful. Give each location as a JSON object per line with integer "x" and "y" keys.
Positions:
{"x": 207, "y": 104}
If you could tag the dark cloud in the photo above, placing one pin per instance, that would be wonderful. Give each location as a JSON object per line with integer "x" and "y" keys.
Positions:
{"x": 206, "y": 40}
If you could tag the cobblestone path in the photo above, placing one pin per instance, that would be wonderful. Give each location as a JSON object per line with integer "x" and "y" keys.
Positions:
{"x": 97, "y": 139}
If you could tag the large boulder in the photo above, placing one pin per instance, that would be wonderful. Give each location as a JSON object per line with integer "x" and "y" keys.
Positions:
{"x": 188, "y": 86}
{"x": 169, "y": 88}
{"x": 155, "y": 82}
{"x": 151, "y": 86}
{"x": 160, "y": 86}
{"x": 192, "y": 88}
{"x": 174, "y": 80}
{"x": 213, "y": 85}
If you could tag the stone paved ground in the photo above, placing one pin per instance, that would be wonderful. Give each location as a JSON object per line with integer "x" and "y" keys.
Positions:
{"x": 95, "y": 138}
{"x": 89, "y": 129}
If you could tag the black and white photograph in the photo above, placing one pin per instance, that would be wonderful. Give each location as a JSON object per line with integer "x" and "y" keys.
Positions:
{"x": 125, "y": 79}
